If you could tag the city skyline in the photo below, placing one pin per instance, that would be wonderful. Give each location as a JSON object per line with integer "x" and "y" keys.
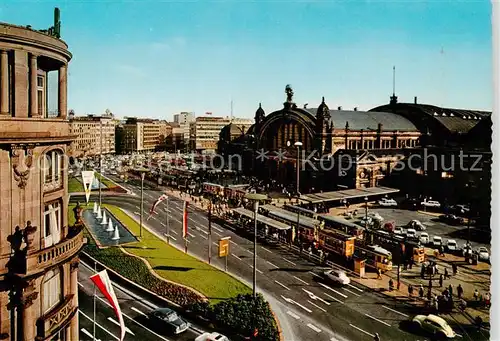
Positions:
{"x": 201, "y": 56}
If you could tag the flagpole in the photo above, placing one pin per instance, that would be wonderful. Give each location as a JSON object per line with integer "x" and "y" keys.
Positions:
{"x": 168, "y": 224}
{"x": 95, "y": 271}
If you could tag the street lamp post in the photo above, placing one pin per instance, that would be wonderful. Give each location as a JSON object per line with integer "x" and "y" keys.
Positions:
{"x": 143, "y": 174}
{"x": 297, "y": 144}
{"x": 366, "y": 213}
{"x": 255, "y": 198}
{"x": 210, "y": 233}
{"x": 100, "y": 161}
{"x": 168, "y": 222}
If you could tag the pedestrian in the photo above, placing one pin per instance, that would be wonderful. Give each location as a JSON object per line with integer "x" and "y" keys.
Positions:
{"x": 450, "y": 288}
{"x": 422, "y": 271}
{"x": 446, "y": 274}
{"x": 421, "y": 291}
{"x": 430, "y": 284}
{"x": 479, "y": 322}
{"x": 460, "y": 291}
{"x": 476, "y": 294}
{"x": 411, "y": 263}
{"x": 454, "y": 268}
{"x": 379, "y": 274}
{"x": 487, "y": 300}
{"x": 376, "y": 337}
{"x": 441, "y": 280}
{"x": 410, "y": 290}
{"x": 436, "y": 306}
{"x": 391, "y": 284}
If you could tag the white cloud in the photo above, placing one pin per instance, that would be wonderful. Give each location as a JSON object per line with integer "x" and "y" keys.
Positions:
{"x": 130, "y": 70}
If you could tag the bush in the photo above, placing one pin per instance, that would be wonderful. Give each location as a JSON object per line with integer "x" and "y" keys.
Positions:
{"x": 241, "y": 315}
{"x": 135, "y": 270}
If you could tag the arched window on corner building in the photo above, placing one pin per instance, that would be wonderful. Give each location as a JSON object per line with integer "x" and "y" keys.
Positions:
{"x": 51, "y": 290}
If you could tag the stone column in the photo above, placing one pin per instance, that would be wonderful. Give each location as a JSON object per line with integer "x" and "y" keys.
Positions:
{"x": 29, "y": 316}
{"x": 33, "y": 86}
{"x": 62, "y": 91}
{"x": 73, "y": 326}
{"x": 4, "y": 83}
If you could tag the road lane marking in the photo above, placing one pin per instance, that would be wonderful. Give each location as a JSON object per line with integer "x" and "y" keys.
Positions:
{"x": 137, "y": 213}
{"x": 80, "y": 284}
{"x": 218, "y": 229}
{"x": 293, "y": 315}
{"x": 138, "y": 311}
{"x": 174, "y": 232}
{"x": 263, "y": 248}
{"x": 305, "y": 308}
{"x": 376, "y": 319}
{"x": 314, "y": 297}
{"x": 215, "y": 244}
{"x": 88, "y": 334}
{"x": 191, "y": 235}
{"x": 317, "y": 306}
{"x": 251, "y": 252}
{"x": 173, "y": 238}
{"x": 232, "y": 254}
{"x": 316, "y": 275}
{"x": 286, "y": 260}
{"x": 300, "y": 280}
{"x": 97, "y": 324}
{"x": 351, "y": 292}
{"x": 233, "y": 242}
{"x": 271, "y": 264}
{"x": 361, "y": 330}
{"x": 202, "y": 236}
{"x": 217, "y": 233}
{"x": 118, "y": 324}
{"x": 313, "y": 327}
{"x": 257, "y": 269}
{"x": 397, "y": 312}
{"x": 284, "y": 286}
{"x": 333, "y": 298}
{"x": 331, "y": 289}
{"x": 354, "y": 287}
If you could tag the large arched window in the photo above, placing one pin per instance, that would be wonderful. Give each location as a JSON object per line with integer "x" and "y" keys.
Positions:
{"x": 52, "y": 289}
{"x": 52, "y": 166}
{"x": 52, "y": 223}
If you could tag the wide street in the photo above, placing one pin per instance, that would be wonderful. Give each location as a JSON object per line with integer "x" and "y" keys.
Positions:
{"x": 134, "y": 311}
{"x": 306, "y": 309}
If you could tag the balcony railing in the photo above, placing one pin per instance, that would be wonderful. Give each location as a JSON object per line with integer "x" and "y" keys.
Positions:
{"x": 49, "y": 323}
{"x": 52, "y": 184}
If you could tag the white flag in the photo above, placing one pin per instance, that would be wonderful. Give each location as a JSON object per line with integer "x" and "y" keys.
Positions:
{"x": 87, "y": 179}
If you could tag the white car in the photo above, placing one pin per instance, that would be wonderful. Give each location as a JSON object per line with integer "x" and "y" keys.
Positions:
{"x": 416, "y": 224}
{"x": 398, "y": 230}
{"x": 434, "y": 325}
{"x": 375, "y": 216}
{"x": 451, "y": 245}
{"x": 437, "y": 241}
{"x": 424, "y": 238}
{"x": 483, "y": 253}
{"x": 430, "y": 203}
{"x": 387, "y": 202}
{"x": 336, "y": 277}
{"x": 411, "y": 234}
{"x": 211, "y": 337}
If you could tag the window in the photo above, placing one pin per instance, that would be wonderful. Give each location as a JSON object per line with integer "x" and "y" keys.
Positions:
{"x": 52, "y": 293}
{"x": 41, "y": 95}
{"x": 52, "y": 166}
{"x": 60, "y": 335}
{"x": 52, "y": 223}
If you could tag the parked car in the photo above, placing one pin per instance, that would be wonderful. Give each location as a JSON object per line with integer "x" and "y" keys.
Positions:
{"x": 467, "y": 249}
{"x": 168, "y": 319}
{"x": 211, "y": 337}
{"x": 451, "y": 246}
{"x": 483, "y": 254}
{"x": 387, "y": 202}
{"x": 376, "y": 216}
{"x": 434, "y": 325}
{"x": 398, "y": 230}
{"x": 461, "y": 209}
{"x": 411, "y": 234}
{"x": 451, "y": 219}
{"x": 437, "y": 241}
{"x": 430, "y": 203}
{"x": 334, "y": 276}
{"x": 424, "y": 238}
{"x": 416, "y": 224}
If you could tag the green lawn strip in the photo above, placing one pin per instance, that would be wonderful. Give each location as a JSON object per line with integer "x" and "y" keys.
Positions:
{"x": 108, "y": 183}
{"x": 75, "y": 186}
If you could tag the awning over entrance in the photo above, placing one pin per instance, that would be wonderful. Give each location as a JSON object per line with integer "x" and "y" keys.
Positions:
{"x": 347, "y": 194}
{"x": 262, "y": 219}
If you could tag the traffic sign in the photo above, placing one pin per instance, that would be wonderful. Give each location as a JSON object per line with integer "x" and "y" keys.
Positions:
{"x": 224, "y": 247}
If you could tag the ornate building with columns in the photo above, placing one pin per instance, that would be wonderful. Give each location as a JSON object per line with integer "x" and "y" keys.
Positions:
{"x": 38, "y": 248}
{"x": 328, "y": 139}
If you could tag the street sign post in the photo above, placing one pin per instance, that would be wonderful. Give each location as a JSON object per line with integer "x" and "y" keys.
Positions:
{"x": 224, "y": 248}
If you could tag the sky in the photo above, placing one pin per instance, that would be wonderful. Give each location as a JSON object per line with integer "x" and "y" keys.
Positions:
{"x": 156, "y": 58}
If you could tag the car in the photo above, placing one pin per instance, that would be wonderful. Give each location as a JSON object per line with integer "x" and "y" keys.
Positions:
{"x": 467, "y": 249}
{"x": 483, "y": 253}
{"x": 437, "y": 241}
{"x": 398, "y": 230}
{"x": 434, "y": 325}
{"x": 416, "y": 224}
{"x": 411, "y": 234}
{"x": 451, "y": 245}
{"x": 375, "y": 216}
{"x": 430, "y": 203}
{"x": 336, "y": 277}
{"x": 424, "y": 238}
{"x": 368, "y": 221}
{"x": 451, "y": 219}
{"x": 211, "y": 337}
{"x": 169, "y": 320}
{"x": 387, "y": 202}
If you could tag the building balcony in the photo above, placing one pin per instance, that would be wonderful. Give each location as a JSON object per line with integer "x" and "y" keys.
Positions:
{"x": 50, "y": 186}
{"x": 51, "y": 322}
{"x": 26, "y": 264}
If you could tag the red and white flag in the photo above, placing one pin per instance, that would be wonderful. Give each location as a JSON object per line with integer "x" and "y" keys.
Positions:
{"x": 185, "y": 221}
{"x": 102, "y": 281}
{"x": 158, "y": 201}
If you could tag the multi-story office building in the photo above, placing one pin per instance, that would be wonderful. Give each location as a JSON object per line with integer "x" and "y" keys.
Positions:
{"x": 185, "y": 121}
{"x": 205, "y": 133}
{"x": 93, "y": 134}
{"x": 143, "y": 135}
{"x": 38, "y": 248}
{"x": 242, "y": 123}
